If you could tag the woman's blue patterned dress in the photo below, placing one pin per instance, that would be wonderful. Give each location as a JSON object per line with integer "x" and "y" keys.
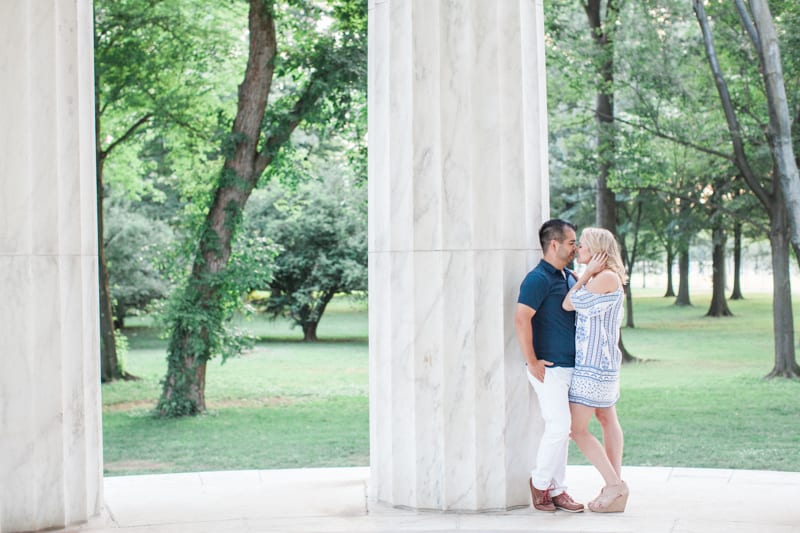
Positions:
{"x": 595, "y": 382}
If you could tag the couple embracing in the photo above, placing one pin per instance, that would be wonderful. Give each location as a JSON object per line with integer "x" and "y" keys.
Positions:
{"x": 568, "y": 329}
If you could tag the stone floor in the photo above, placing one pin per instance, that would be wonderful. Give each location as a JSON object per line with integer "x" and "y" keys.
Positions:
{"x": 332, "y": 500}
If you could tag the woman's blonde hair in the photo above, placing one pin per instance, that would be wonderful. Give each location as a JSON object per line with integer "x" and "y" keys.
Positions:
{"x": 601, "y": 240}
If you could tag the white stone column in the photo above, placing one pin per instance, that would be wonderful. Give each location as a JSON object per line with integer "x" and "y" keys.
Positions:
{"x": 458, "y": 187}
{"x": 50, "y": 433}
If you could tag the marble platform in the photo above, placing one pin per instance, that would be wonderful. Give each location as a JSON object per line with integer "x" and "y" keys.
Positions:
{"x": 333, "y": 500}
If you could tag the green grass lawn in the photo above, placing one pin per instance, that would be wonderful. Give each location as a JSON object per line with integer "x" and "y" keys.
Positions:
{"x": 697, "y": 398}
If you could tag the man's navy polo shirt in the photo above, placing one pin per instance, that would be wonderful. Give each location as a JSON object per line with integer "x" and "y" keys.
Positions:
{"x": 544, "y": 290}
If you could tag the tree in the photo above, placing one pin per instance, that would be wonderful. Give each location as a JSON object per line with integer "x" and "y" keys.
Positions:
{"x": 736, "y": 293}
{"x": 596, "y": 64}
{"x": 719, "y": 304}
{"x": 669, "y": 192}
{"x": 769, "y": 193}
{"x": 321, "y": 234}
{"x": 323, "y": 63}
{"x": 748, "y": 209}
{"x": 641, "y": 178}
{"x": 765, "y": 40}
{"x": 654, "y": 89}
{"x": 666, "y": 98}
{"x": 142, "y": 50}
{"x": 630, "y": 251}
{"x": 683, "y": 298}
{"x": 664, "y": 224}
{"x": 603, "y": 33}
{"x": 668, "y": 229}
{"x": 748, "y": 221}
{"x": 134, "y": 244}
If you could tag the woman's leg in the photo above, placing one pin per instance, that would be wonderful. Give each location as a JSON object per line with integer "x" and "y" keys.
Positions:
{"x": 613, "y": 439}
{"x": 589, "y": 445}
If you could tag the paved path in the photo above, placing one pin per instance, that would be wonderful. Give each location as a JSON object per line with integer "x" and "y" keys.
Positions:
{"x": 332, "y": 500}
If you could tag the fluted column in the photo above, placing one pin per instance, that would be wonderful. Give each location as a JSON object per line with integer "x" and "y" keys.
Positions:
{"x": 50, "y": 434}
{"x": 458, "y": 187}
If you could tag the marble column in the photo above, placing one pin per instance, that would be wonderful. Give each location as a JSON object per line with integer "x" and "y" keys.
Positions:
{"x": 50, "y": 433}
{"x": 458, "y": 187}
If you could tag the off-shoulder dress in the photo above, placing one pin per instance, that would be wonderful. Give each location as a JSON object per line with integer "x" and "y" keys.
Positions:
{"x": 595, "y": 382}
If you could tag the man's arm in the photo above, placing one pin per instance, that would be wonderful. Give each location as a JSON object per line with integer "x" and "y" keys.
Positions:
{"x": 524, "y": 330}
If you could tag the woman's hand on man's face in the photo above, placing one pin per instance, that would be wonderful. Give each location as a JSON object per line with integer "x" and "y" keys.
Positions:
{"x": 597, "y": 263}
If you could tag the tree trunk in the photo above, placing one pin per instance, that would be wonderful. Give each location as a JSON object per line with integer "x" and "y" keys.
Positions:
{"x": 719, "y": 306}
{"x": 201, "y": 305}
{"x": 309, "y": 316}
{"x": 683, "y": 278}
{"x": 783, "y": 320}
{"x": 628, "y": 307}
{"x": 109, "y": 364}
{"x": 110, "y": 368}
{"x": 670, "y": 261}
{"x": 606, "y": 202}
{"x": 184, "y": 388}
{"x": 765, "y": 39}
{"x": 736, "y": 294}
{"x": 629, "y": 260}
{"x": 310, "y": 332}
{"x": 629, "y": 323}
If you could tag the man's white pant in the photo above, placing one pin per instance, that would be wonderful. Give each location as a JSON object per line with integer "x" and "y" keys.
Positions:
{"x": 551, "y": 459}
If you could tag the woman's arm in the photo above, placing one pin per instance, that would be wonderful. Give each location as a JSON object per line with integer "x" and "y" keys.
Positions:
{"x": 595, "y": 266}
{"x": 566, "y": 305}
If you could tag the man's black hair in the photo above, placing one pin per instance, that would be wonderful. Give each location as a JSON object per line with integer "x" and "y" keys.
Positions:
{"x": 554, "y": 229}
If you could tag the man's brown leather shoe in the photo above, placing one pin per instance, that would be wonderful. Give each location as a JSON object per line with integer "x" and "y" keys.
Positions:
{"x": 541, "y": 499}
{"x": 564, "y": 502}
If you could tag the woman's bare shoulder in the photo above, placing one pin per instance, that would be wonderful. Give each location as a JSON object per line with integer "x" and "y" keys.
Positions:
{"x": 604, "y": 282}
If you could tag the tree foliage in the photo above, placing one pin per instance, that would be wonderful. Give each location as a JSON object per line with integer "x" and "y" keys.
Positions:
{"x": 135, "y": 247}
{"x": 320, "y": 230}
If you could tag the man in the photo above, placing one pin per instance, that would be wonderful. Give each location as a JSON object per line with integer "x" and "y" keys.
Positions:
{"x": 546, "y": 335}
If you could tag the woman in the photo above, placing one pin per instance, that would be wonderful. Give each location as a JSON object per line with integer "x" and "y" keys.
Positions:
{"x": 597, "y": 299}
